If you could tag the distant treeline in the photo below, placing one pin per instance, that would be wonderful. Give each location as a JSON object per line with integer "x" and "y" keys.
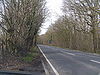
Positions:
{"x": 78, "y": 28}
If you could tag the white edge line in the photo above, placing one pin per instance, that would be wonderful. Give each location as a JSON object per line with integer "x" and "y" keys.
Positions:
{"x": 95, "y": 61}
{"x": 55, "y": 71}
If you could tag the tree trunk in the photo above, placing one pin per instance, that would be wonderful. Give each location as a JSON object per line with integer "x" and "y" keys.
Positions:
{"x": 95, "y": 40}
{"x": 94, "y": 32}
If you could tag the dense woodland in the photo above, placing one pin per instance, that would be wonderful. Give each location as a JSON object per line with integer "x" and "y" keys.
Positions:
{"x": 20, "y": 22}
{"x": 78, "y": 28}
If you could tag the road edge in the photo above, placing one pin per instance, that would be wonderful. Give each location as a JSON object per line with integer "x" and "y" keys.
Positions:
{"x": 53, "y": 68}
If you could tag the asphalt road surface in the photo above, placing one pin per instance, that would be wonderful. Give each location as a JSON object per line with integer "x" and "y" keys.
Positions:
{"x": 71, "y": 62}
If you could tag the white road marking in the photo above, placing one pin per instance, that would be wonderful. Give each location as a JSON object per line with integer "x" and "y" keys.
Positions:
{"x": 68, "y": 53}
{"x": 95, "y": 61}
{"x": 46, "y": 71}
{"x": 55, "y": 71}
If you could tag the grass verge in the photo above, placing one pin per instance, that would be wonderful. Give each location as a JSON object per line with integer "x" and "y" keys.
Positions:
{"x": 31, "y": 55}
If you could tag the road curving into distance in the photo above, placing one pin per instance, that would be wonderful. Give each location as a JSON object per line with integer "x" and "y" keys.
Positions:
{"x": 71, "y": 62}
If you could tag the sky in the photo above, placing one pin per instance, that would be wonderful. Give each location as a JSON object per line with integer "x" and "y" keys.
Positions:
{"x": 54, "y": 8}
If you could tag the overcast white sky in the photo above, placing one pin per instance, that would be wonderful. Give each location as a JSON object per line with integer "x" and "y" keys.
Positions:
{"x": 54, "y": 7}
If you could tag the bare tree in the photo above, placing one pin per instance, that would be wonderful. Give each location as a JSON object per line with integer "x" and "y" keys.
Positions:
{"x": 21, "y": 21}
{"x": 84, "y": 12}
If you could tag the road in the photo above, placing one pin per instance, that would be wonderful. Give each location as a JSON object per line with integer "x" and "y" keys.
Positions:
{"x": 71, "y": 62}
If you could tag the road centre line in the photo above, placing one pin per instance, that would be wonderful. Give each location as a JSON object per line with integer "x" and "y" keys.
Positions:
{"x": 95, "y": 61}
{"x": 68, "y": 53}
